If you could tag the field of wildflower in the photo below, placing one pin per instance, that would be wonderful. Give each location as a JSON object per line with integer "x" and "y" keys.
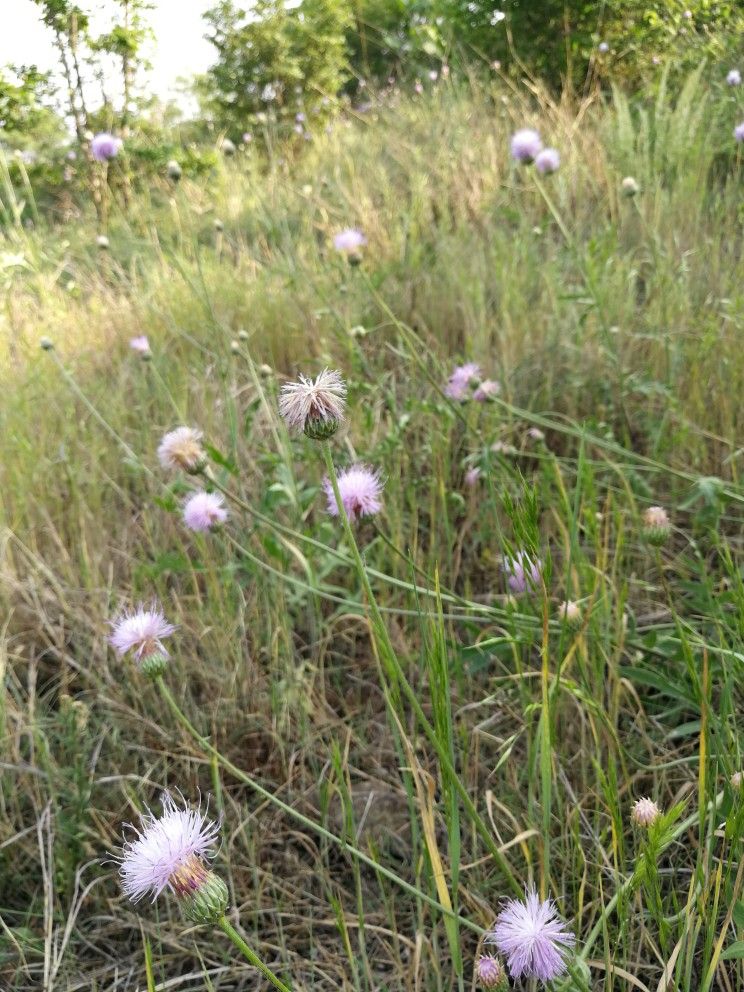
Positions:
{"x": 371, "y": 515}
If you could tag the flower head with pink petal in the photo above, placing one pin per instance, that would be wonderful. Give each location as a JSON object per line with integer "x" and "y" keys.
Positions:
{"x": 203, "y": 511}
{"x": 532, "y": 937}
{"x": 141, "y": 631}
{"x": 360, "y": 488}
{"x": 170, "y": 851}
{"x": 140, "y": 344}
{"x": 348, "y": 240}
{"x": 458, "y": 384}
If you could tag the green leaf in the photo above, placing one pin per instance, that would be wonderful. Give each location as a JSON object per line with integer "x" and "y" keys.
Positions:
{"x": 735, "y": 951}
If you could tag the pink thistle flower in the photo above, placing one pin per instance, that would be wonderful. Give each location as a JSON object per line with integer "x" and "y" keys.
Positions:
{"x": 645, "y": 812}
{"x": 739, "y": 132}
{"x": 105, "y": 146}
{"x": 522, "y": 572}
{"x": 169, "y": 852}
{"x": 489, "y": 972}
{"x": 487, "y": 390}
{"x": 360, "y": 488}
{"x": 314, "y": 406}
{"x": 349, "y": 240}
{"x": 733, "y": 77}
{"x": 534, "y": 939}
{"x": 471, "y": 477}
{"x": 203, "y": 511}
{"x": 547, "y": 161}
{"x": 526, "y": 146}
{"x": 141, "y": 631}
{"x": 460, "y": 380}
{"x": 140, "y": 344}
{"x": 181, "y": 448}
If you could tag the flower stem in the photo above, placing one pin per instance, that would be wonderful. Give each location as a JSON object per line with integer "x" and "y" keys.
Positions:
{"x": 227, "y": 928}
{"x": 246, "y": 779}
{"x": 396, "y": 669}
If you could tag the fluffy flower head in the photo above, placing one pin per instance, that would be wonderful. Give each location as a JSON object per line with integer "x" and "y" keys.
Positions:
{"x": 182, "y": 449}
{"x": 547, "y": 161}
{"x": 629, "y": 186}
{"x": 168, "y": 852}
{"x": 522, "y": 572}
{"x": 360, "y": 488}
{"x": 203, "y": 511}
{"x": 739, "y": 132}
{"x": 140, "y": 344}
{"x": 460, "y": 380}
{"x": 348, "y": 240}
{"x": 141, "y": 631}
{"x": 471, "y": 476}
{"x": 526, "y": 145}
{"x": 645, "y": 812}
{"x": 105, "y": 146}
{"x": 313, "y": 405}
{"x": 733, "y": 78}
{"x": 570, "y": 612}
{"x": 532, "y": 937}
{"x": 603, "y": 47}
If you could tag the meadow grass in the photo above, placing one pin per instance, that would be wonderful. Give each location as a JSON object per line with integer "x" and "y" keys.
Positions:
{"x": 401, "y": 703}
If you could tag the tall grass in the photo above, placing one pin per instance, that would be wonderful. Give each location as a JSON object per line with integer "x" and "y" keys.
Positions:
{"x": 465, "y": 743}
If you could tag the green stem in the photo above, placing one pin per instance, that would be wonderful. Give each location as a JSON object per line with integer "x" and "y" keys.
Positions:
{"x": 242, "y": 776}
{"x": 629, "y": 882}
{"x": 227, "y": 928}
{"x": 391, "y": 657}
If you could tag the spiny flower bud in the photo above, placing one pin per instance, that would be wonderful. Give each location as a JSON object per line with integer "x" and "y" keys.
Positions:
{"x": 656, "y": 525}
{"x": 204, "y": 897}
{"x": 102, "y": 241}
{"x": 490, "y": 972}
{"x": 737, "y": 780}
{"x": 174, "y": 170}
{"x": 154, "y": 666}
{"x": 645, "y": 812}
{"x": 265, "y": 370}
{"x": 570, "y": 613}
{"x": 46, "y": 344}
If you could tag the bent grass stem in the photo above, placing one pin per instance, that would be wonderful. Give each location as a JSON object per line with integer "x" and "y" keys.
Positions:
{"x": 317, "y": 828}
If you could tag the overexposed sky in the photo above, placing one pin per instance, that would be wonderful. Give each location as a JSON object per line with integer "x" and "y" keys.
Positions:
{"x": 180, "y": 48}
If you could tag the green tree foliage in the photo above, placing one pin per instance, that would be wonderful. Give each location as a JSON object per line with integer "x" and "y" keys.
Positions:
{"x": 276, "y": 59}
{"x": 25, "y": 114}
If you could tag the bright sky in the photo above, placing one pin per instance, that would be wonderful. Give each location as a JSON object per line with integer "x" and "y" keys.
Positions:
{"x": 180, "y": 48}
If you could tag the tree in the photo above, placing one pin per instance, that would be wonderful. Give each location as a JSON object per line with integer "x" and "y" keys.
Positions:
{"x": 275, "y": 59}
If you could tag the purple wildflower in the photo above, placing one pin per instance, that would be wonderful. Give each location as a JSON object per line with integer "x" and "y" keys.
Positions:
{"x": 105, "y": 146}
{"x": 360, "y": 488}
{"x": 522, "y": 572}
{"x": 734, "y": 77}
{"x": 526, "y": 145}
{"x": 547, "y": 161}
{"x": 533, "y": 938}
{"x": 460, "y": 380}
